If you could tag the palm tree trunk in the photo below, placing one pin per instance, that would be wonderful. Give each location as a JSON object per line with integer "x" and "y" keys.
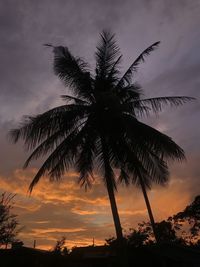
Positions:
{"x": 110, "y": 188}
{"x": 121, "y": 251}
{"x": 122, "y": 254}
{"x": 115, "y": 213}
{"x": 149, "y": 209}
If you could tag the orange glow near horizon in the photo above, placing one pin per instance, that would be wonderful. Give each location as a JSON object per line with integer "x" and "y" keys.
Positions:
{"x": 64, "y": 209}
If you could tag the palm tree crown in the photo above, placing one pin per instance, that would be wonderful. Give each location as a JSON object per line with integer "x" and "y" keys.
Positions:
{"x": 98, "y": 127}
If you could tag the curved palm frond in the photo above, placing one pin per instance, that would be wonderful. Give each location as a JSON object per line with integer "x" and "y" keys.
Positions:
{"x": 157, "y": 104}
{"x": 143, "y": 107}
{"x": 35, "y": 129}
{"x": 127, "y": 77}
{"x": 45, "y": 147}
{"x": 135, "y": 160}
{"x": 53, "y": 161}
{"x": 51, "y": 142}
{"x": 81, "y": 132}
{"x": 85, "y": 160}
{"x": 62, "y": 157}
{"x": 161, "y": 144}
{"x": 73, "y": 72}
{"x": 156, "y": 168}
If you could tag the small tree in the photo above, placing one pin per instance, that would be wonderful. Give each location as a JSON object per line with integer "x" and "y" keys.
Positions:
{"x": 60, "y": 247}
{"x": 8, "y": 221}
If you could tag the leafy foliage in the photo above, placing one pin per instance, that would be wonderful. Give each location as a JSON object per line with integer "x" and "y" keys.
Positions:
{"x": 143, "y": 235}
{"x": 188, "y": 222}
{"x": 182, "y": 228}
{"x": 8, "y": 221}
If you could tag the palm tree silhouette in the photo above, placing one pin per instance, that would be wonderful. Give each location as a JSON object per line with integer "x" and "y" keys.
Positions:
{"x": 97, "y": 127}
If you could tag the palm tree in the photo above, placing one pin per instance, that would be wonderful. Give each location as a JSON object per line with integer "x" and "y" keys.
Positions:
{"x": 97, "y": 127}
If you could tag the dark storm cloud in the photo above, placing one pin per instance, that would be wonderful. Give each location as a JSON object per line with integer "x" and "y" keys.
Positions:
{"x": 28, "y": 86}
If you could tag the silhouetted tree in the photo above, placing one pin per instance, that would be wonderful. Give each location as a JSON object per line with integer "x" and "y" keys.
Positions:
{"x": 8, "y": 221}
{"x": 182, "y": 228}
{"x": 98, "y": 126}
{"x": 60, "y": 247}
{"x": 164, "y": 229}
{"x": 143, "y": 235}
{"x": 137, "y": 238}
{"x": 188, "y": 221}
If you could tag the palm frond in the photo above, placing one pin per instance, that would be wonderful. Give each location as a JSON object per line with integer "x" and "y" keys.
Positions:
{"x": 73, "y": 72}
{"x": 73, "y": 149}
{"x": 134, "y": 166}
{"x": 161, "y": 144}
{"x": 129, "y": 93}
{"x": 143, "y": 107}
{"x": 125, "y": 160}
{"x": 155, "y": 166}
{"x": 45, "y": 147}
{"x": 124, "y": 177}
{"x": 53, "y": 160}
{"x": 35, "y": 129}
{"x": 76, "y": 100}
{"x": 136, "y": 110}
{"x": 113, "y": 75}
{"x": 156, "y": 104}
{"x": 137, "y": 160}
{"x": 84, "y": 164}
{"x": 106, "y": 54}
{"x": 126, "y": 78}
{"x": 62, "y": 157}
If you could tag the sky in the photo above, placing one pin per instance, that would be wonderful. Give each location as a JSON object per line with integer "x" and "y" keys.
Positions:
{"x": 28, "y": 86}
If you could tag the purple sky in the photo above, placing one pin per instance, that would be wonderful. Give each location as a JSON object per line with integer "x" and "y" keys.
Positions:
{"x": 28, "y": 86}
